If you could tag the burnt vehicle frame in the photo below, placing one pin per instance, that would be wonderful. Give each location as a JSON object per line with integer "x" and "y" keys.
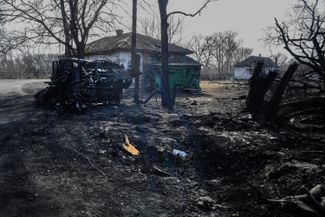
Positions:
{"x": 78, "y": 83}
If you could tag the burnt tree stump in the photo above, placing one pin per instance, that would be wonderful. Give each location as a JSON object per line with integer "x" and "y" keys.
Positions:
{"x": 275, "y": 101}
{"x": 259, "y": 84}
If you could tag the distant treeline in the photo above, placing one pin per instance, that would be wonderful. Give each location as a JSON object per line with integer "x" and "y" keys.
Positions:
{"x": 26, "y": 66}
{"x": 218, "y": 53}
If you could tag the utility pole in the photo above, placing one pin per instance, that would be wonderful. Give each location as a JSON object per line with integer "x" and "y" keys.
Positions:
{"x": 135, "y": 72}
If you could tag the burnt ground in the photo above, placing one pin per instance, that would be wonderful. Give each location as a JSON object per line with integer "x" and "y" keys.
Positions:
{"x": 73, "y": 165}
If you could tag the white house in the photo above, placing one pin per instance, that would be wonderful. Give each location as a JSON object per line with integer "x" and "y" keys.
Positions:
{"x": 117, "y": 48}
{"x": 244, "y": 69}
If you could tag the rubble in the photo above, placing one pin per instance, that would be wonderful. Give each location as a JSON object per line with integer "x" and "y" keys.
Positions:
{"x": 206, "y": 202}
{"x": 160, "y": 171}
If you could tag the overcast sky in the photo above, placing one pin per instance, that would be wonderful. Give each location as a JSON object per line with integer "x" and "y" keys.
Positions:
{"x": 247, "y": 17}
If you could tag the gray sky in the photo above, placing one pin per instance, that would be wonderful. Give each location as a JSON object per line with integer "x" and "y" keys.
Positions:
{"x": 247, "y": 17}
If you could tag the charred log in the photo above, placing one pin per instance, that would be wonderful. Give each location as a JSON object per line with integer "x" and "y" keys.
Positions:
{"x": 295, "y": 108}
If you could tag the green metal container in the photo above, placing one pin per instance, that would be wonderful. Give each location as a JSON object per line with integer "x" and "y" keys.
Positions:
{"x": 181, "y": 76}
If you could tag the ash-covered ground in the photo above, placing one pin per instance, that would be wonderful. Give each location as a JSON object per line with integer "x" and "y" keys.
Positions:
{"x": 74, "y": 165}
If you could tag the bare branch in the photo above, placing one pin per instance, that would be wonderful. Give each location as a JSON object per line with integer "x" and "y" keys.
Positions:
{"x": 67, "y": 22}
{"x": 192, "y": 14}
{"x": 302, "y": 35}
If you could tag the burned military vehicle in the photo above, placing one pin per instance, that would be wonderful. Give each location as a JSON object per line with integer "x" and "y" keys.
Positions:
{"x": 77, "y": 83}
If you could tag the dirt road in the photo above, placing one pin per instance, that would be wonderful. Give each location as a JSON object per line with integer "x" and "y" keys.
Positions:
{"x": 20, "y": 87}
{"x": 17, "y": 101}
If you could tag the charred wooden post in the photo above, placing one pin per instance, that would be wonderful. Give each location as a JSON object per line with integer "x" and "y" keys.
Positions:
{"x": 277, "y": 96}
{"x": 259, "y": 84}
{"x": 135, "y": 69}
{"x": 250, "y": 101}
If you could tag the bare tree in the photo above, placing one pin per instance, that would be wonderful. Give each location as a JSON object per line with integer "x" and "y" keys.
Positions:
{"x": 66, "y": 22}
{"x": 3, "y": 35}
{"x": 26, "y": 65}
{"x": 242, "y": 53}
{"x": 167, "y": 100}
{"x": 219, "y": 47}
{"x": 8, "y": 41}
{"x": 231, "y": 46}
{"x": 151, "y": 27}
{"x": 203, "y": 49}
{"x": 219, "y": 52}
{"x": 303, "y": 34}
{"x": 2, "y": 38}
{"x": 227, "y": 50}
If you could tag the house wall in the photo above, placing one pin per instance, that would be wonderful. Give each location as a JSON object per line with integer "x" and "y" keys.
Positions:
{"x": 149, "y": 69}
{"x": 242, "y": 73}
{"x": 245, "y": 73}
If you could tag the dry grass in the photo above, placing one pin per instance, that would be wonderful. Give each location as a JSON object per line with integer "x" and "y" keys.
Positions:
{"x": 215, "y": 85}
{"x": 211, "y": 85}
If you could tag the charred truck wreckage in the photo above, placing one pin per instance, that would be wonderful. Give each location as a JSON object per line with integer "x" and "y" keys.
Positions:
{"x": 78, "y": 83}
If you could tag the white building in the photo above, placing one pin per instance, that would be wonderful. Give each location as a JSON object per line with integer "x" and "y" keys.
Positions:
{"x": 118, "y": 49}
{"x": 244, "y": 69}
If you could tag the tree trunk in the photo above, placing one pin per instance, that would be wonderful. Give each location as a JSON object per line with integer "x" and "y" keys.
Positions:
{"x": 67, "y": 51}
{"x": 81, "y": 49}
{"x": 259, "y": 84}
{"x": 166, "y": 99}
